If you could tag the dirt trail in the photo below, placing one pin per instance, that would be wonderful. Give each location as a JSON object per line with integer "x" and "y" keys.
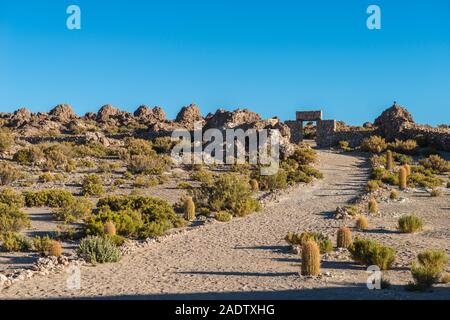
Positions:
{"x": 246, "y": 258}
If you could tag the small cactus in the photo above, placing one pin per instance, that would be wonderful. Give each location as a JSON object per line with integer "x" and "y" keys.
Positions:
{"x": 373, "y": 206}
{"x": 254, "y": 184}
{"x": 310, "y": 259}
{"x": 402, "y": 178}
{"x": 344, "y": 237}
{"x": 389, "y": 160}
{"x": 189, "y": 209}
{"x": 54, "y": 248}
{"x": 110, "y": 228}
{"x": 362, "y": 223}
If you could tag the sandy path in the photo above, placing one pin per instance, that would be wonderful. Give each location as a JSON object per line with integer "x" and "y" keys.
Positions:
{"x": 246, "y": 258}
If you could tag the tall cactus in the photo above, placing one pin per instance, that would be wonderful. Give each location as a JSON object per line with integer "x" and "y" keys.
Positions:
{"x": 310, "y": 258}
{"x": 389, "y": 160}
{"x": 402, "y": 178}
{"x": 344, "y": 237}
{"x": 189, "y": 209}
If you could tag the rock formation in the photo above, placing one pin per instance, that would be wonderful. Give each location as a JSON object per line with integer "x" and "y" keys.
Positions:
{"x": 392, "y": 121}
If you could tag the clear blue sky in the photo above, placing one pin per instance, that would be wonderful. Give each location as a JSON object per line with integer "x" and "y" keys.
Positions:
{"x": 274, "y": 57}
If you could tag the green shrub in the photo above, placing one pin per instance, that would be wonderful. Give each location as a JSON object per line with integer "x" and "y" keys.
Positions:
{"x": 374, "y": 144}
{"x": 53, "y": 198}
{"x": 223, "y": 216}
{"x": 229, "y": 192}
{"x": 369, "y": 252}
{"x": 373, "y": 185}
{"x": 6, "y": 140}
{"x": 163, "y": 144}
{"x": 274, "y": 182}
{"x": 323, "y": 241}
{"x": 344, "y": 145}
{"x": 47, "y": 246}
{"x": 134, "y": 216}
{"x": 410, "y": 224}
{"x": 406, "y": 146}
{"x": 29, "y": 156}
{"x": 427, "y": 271}
{"x": 13, "y": 242}
{"x": 425, "y": 181}
{"x": 436, "y": 163}
{"x": 203, "y": 176}
{"x": 304, "y": 155}
{"x": 99, "y": 250}
{"x": 92, "y": 186}
{"x": 12, "y": 218}
{"x": 12, "y": 198}
{"x": 8, "y": 173}
{"x": 394, "y": 194}
{"x": 74, "y": 211}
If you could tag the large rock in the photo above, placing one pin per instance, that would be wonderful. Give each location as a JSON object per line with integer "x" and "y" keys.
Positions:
{"x": 150, "y": 116}
{"x": 62, "y": 113}
{"x": 224, "y": 119}
{"x": 188, "y": 115}
{"x": 20, "y": 117}
{"x": 107, "y": 112}
{"x": 392, "y": 121}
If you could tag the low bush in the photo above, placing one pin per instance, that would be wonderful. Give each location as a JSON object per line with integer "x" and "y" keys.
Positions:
{"x": 134, "y": 216}
{"x": 429, "y": 268}
{"x": 374, "y": 144}
{"x": 99, "y": 250}
{"x": 6, "y": 140}
{"x": 29, "y": 156}
{"x": 92, "y": 186}
{"x": 8, "y": 173}
{"x": 53, "y": 198}
{"x": 74, "y": 211}
{"x": 410, "y": 224}
{"x": 394, "y": 195}
{"x": 373, "y": 206}
{"x": 12, "y": 218}
{"x": 14, "y": 242}
{"x": 12, "y": 198}
{"x": 373, "y": 185}
{"x": 403, "y": 146}
{"x": 436, "y": 163}
{"x": 47, "y": 246}
{"x": 369, "y": 252}
{"x": 362, "y": 223}
{"x": 323, "y": 241}
{"x": 229, "y": 192}
{"x": 223, "y": 216}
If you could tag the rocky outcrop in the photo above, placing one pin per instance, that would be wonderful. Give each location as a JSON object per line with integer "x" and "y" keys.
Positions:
{"x": 62, "y": 113}
{"x": 224, "y": 119}
{"x": 392, "y": 121}
{"x": 189, "y": 115}
{"x": 149, "y": 116}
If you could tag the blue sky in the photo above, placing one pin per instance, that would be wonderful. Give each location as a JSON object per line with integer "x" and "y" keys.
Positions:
{"x": 274, "y": 57}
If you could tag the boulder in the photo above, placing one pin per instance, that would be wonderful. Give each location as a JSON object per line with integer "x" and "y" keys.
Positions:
{"x": 150, "y": 116}
{"x": 188, "y": 115}
{"x": 62, "y": 113}
{"x": 224, "y": 119}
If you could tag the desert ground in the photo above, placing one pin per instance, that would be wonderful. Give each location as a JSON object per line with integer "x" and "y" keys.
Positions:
{"x": 248, "y": 258}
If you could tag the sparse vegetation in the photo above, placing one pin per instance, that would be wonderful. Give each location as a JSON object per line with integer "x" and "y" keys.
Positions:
{"x": 362, "y": 223}
{"x": 369, "y": 252}
{"x": 74, "y": 211}
{"x": 394, "y": 195}
{"x": 436, "y": 192}
{"x": 92, "y": 186}
{"x": 373, "y": 185}
{"x": 373, "y": 206}
{"x": 12, "y": 219}
{"x": 436, "y": 163}
{"x": 428, "y": 270}
{"x": 374, "y": 144}
{"x": 6, "y": 140}
{"x": 99, "y": 250}
{"x": 8, "y": 173}
{"x": 323, "y": 241}
{"x": 223, "y": 216}
{"x": 53, "y": 198}
{"x": 410, "y": 224}
{"x": 14, "y": 242}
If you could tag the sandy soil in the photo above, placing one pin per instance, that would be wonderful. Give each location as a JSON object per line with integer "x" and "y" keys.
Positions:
{"x": 248, "y": 258}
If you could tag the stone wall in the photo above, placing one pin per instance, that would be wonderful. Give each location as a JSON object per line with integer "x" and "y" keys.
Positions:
{"x": 438, "y": 138}
{"x": 296, "y": 128}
